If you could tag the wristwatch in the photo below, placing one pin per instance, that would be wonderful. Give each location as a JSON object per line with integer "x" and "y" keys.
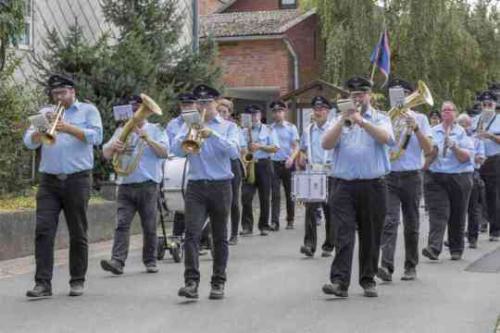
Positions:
{"x": 416, "y": 129}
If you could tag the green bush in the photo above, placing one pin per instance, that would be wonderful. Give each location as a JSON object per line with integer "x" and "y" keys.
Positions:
{"x": 17, "y": 102}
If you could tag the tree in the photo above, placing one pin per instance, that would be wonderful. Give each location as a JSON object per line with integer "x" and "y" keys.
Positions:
{"x": 449, "y": 44}
{"x": 144, "y": 58}
{"x": 11, "y": 26}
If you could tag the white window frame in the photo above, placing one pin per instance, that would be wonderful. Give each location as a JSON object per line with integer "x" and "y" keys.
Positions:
{"x": 287, "y": 4}
{"x": 28, "y": 20}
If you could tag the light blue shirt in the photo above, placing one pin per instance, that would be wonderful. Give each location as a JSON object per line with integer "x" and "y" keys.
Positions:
{"x": 264, "y": 135}
{"x": 311, "y": 140}
{"x": 412, "y": 159}
{"x": 214, "y": 160}
{"x": 173, "y": 128}
{"x": 287, "y": 136}
{"x": 450, "y": 163}
{"x": 491, "y": 148}
{"x": 149, "y": 166}
{"x": 358, "y": 155}
{"x": 69, "y": 155}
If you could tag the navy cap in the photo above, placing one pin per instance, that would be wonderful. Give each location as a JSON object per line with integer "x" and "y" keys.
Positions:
{"x": 487, "y": 96}
{"x": 186, "y": 97}
{"x": 435, "y": 113}
{"x": 359, "y": 83}
{"x": 252, "y": 108}
{"x": 135, "y": 99}
{"x": 494, "y": 86}
{"x": 319, "y": 101}
{"x": 407, "y": 86}
{"x": 204, "y": 92}
{"x": 60, "y": 81}
{"x": 277, "y": 105}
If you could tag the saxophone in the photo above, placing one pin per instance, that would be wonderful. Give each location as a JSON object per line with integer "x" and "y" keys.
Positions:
{"x": 249, "y": 161}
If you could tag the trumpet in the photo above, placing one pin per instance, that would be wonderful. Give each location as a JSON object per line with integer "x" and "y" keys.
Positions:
{"x": 49, "y": 137}
{"x": 193, "y": 142}
{"x": 345, "y": 105}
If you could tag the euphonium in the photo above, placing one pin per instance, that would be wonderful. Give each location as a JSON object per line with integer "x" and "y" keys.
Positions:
{"x": 126, "y": 162}
{"x": 419, "y": 97}
{"x": 49, "y": 137}
{"x": 192, "y": 143}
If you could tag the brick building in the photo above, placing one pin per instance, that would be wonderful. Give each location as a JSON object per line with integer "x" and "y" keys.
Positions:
{"x": 267, "y": 47}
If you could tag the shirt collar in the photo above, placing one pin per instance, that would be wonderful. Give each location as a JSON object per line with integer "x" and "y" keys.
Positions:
{"x": 75, "y": 106}
{"x": 322, "y": 128}
{"x": 283, "y": 124}
{"x": 440, "y": 128}
{"x": 218, "y": 119}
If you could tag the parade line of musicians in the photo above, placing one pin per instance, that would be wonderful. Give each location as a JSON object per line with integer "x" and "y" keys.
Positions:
{"x": 450, "y": 158}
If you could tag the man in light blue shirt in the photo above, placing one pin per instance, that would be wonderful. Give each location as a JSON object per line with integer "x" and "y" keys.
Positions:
{"x": 283, "y": 161}
{"x": 262, "y": 142}
{"x": 65, "y": 183}
{"x": 317, "y": 159}
{"x": 448, "y": 184}
{"x": 146, "y": 148}
{"x": 487, "y": 128}
{"x": 404, "y": 185}
{"x": 360, "y": 141}
{"x": 208, "y": 192}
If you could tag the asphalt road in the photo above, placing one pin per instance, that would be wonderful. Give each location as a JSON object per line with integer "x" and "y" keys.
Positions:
{"x": 271, "y": 288}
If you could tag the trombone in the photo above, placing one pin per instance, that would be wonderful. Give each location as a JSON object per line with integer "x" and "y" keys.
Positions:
{"x": 49, "y": 137}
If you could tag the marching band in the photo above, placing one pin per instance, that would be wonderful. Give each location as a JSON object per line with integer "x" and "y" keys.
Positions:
{"x": 364, "y": 169}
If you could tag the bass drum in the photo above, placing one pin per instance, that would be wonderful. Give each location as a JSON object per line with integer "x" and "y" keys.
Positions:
{"x": 172, "y": 187}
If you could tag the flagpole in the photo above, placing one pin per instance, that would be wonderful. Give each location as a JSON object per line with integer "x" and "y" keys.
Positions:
{"x": 376, "y": 57}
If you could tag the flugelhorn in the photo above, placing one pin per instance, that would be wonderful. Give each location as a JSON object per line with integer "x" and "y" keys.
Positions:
{"x": 193, "y": 142}
{"x": 49, "y": 137}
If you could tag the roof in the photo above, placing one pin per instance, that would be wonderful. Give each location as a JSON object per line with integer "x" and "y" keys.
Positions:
{"x": 260, "y": 23}
{"x": 315, "y": 87}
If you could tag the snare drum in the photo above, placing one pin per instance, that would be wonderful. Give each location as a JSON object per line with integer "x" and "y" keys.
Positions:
{"x": 171, "y": 188}
{"x": 310, "y": 186}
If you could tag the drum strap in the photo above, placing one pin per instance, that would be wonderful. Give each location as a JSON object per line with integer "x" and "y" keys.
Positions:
{"x": 309, "y": 148}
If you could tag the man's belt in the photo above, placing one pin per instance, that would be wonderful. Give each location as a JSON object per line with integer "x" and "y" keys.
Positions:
{"x": 68, "y": 176}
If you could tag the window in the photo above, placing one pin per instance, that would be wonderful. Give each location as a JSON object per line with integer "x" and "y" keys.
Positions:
{"x": 288, "y": 4}
{"x": 26, "y": 40}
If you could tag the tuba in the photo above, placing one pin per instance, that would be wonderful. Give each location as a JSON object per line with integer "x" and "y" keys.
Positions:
{"x": 396, "y": 114}
{"x": 126, "y": 162}
{"x": 49, "y": 137}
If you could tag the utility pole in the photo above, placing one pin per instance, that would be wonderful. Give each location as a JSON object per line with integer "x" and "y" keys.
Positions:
{"x": 196, "y": 18}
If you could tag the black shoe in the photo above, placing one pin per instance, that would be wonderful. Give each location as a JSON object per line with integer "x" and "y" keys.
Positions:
{"x": 494, "y": 238}
{"x": 246, "y": 233}
{"x": 483, "y": 228}
{"x": 190, "y": 290}
{"x": 384, "y": 274}
{"x": 334, "y": 289}
{"x": 112, "y": 266}
{"x": 76, "y": 289}
{"x": 39, "y": 291}
{"x": 370, "y": 291}
{"x": 473, "y": 244}
{"x": 409, "y": 275}
{"x": 326, "y": 253}
{"x": 264, "y": 232}
{"x": 307, "y": 251}
{"x": 217, "y": 291}
{"x": 455, "y": 256}
{"x": 274, "y": 227}
{"x": 446, "y": 243}
{"x": 233, "y": 240}
{"x": 429, "y": 253}
{"x": 289, "y": 226}
{"x": 152, "y": 268}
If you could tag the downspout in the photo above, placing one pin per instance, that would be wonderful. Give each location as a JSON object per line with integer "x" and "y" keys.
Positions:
{"x": 296, "y": 82}
{"x": 295, "y": 58}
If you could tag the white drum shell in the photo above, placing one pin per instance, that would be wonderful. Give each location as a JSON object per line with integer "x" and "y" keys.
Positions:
{"x": 310, "y": 186}
{"x": 171, "y": 188}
